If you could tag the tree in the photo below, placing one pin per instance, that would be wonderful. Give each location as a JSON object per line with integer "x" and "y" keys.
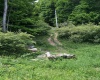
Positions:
{"x": 5, "y": 16}
{"x": 24, "y": 15}
{"x": 64, "y": 9}
{"x": 79, "y": 15}
{"x": 1, "y": 11}
{"x": 21, "y": 15}
{"x": 1, "y": 7}
{"x": 21, "y": 12}
{"x": 87, "y": 11}
{"x": 47, "y": 11}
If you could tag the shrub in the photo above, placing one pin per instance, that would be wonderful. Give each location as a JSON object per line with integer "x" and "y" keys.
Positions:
{"x": 39, "y": 28}
{"x": 15, "y": 42}
{"x": 83, "y": 33}
{"x": 64, "y": 32}
{"x": 0, "y": 29}
{"x": 42, "y": 28}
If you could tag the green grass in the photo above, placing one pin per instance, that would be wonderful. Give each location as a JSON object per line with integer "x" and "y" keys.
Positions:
{"x": 85, "y": 67}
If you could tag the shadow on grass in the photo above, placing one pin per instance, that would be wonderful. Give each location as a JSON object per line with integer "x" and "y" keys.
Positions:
{"x": 27, "y": 54}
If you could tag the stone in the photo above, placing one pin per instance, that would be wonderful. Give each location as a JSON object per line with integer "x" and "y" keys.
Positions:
{"x": 33, "y": 49}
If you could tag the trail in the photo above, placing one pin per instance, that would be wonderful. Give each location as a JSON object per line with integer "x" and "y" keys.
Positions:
{"x": 53, "y": 40}
{"x": 56, "y": 39}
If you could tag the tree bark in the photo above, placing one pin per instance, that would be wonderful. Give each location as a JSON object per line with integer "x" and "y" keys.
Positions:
{"x": 5, "y": 16}
{"x": 56, "y": 19}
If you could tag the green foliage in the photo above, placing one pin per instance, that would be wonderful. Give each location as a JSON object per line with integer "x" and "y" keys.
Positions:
{"x": 1, "y": 7}
{"x": 47, "y": 11}
{"x": 0, "y": 29}
{"x": 77, "y": 17}
{"x": 64, "y": 9}
{"x": 83, "y": 33}
{"x": 1, "y": 11}
{"x": 77, "y": 11}
{"x": 85, "y": 12}
{"x": 21, "y": 12}
{"x": 24, "y": 15}
{"x": 40, "y": 28}
{"x": 15, "y": 43}
{"x": 85, "y": 67}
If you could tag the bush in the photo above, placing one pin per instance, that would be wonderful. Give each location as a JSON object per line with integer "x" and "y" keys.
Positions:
{"x": 15, "y": 43}
{"x": 0, "y": 29}
{"x": 42, "y": 28}
{"x": 39, "y": 28}
{"x": 83, "y": 33}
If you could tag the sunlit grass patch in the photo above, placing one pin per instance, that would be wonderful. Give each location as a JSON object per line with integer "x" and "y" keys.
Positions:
{"x": 85, "y": 67}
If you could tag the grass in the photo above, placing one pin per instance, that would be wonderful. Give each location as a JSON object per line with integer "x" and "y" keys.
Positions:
{"x": 85, "y": 67}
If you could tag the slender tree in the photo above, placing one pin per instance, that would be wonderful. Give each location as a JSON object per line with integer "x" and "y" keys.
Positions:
{"x": 5, "y": 16}
{"x": 56, "y": 19}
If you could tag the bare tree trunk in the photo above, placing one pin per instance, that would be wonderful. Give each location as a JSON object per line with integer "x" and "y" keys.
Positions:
{"x": 56, "y": 19}
{"x": 5, "y": 16}
{"x": 7, "y": 23}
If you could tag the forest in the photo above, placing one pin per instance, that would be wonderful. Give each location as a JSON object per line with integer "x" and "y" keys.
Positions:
{"x": 31, "y": 28}
{"x": 29, "y": 15}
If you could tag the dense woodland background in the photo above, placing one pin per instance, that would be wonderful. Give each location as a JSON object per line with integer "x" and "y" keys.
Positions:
{"x": 35, "y": 18}
{"x": 32, "y": 24}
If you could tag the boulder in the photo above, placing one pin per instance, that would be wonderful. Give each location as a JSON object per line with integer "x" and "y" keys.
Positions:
{"x": 50, "y": 56}
{"x": 33, "y": 49}
{"x": 61, "y": 55}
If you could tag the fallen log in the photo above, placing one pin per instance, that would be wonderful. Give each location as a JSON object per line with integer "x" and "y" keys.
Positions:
{"x": 50, "y": 56}
{"x": 57, "y": 56}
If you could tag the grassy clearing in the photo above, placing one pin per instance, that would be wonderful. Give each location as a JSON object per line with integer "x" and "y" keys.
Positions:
{"x": 86, "y": 67}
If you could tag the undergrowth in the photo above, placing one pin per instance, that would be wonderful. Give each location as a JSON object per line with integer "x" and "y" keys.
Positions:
{"x": 85, "y": 67}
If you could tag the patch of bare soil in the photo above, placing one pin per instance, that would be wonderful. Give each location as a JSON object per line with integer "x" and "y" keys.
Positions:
{"x": 51, "y": 42}
{"x": 54, "y": 40}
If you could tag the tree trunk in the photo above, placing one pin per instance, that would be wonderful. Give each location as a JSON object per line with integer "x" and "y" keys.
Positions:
{"x": 56, "y": 19}
{"x": 5, "y": 16}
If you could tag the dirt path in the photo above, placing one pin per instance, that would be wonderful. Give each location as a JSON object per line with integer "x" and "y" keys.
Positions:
{"x": 56, "y": 39}
{"x": 53, "y": 40}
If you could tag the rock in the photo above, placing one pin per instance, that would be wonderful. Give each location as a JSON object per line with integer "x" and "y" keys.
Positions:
{"x": 42, "y": 56}
{"x": 33, "y": 49}
{"x": 57, "y": 56}
{"x": 68, "y": 56}
{"x": 50, "y": 56}
{"x": 65, "y": 56}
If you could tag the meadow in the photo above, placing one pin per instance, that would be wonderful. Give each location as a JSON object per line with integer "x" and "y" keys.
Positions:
{"x": 85, "y": 67}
